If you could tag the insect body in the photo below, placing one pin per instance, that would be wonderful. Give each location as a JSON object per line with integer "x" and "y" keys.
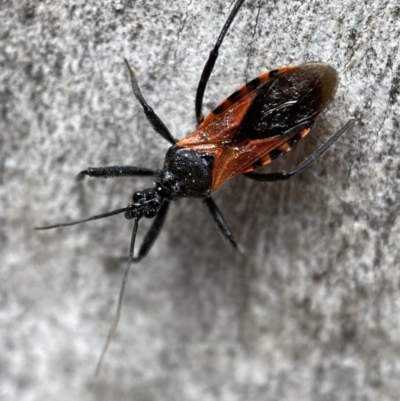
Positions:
{"x": 259, "y": 122}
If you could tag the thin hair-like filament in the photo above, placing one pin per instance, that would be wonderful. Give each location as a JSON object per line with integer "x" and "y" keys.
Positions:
{"x": 114, "y": 324}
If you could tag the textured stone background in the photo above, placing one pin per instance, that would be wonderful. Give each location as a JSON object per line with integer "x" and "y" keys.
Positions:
{"x": 312, "y": 313}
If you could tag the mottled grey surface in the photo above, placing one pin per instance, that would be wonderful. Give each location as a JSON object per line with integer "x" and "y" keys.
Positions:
{"x": 313, "y": 313}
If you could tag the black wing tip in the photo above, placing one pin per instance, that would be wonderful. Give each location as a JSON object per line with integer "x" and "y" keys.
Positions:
{"x": 323, "y": 78}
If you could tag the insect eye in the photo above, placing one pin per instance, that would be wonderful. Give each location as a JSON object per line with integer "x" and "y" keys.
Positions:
{"x": 137, "y": 196}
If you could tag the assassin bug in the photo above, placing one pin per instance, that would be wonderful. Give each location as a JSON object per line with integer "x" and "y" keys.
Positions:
{"x": 259, "y": 122}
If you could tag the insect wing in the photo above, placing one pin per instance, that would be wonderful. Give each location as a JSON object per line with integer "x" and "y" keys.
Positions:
{"x": 221, "y": 125}
{"x": 263, "y": 119}
{"x": 293, "y": 97}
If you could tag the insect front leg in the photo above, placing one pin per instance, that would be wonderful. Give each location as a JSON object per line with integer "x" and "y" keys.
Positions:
{"x": 283, "y": 175}
{"x": 115, "y": 171}
{"x": 153, "y": 232}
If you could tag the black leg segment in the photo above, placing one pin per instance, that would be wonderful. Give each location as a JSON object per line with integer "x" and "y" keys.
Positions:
{"x": 221, "y": 223}
{"x": 115, "y": 171}
{"x": 153, "y": 232}
{"x": 212, "y": 58}
{"x": 283, "y": 175}
{"x": 154, "y": 120}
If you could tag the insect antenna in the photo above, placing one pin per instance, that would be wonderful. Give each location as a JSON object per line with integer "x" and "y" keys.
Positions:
{"x": 72, "y": 223}
{"x": 121, "y": 293}
{"x": 114, "y": 324}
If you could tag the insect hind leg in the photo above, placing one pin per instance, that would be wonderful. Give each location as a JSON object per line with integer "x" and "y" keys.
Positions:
{"x": 283, "y": 175}
{"x": 212, "y": 58}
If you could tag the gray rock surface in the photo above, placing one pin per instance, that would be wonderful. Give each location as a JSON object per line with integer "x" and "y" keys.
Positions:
{"x": 313, "y": 310}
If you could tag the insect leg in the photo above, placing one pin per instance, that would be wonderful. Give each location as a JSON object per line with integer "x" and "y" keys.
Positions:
{"x": 221, "y": 223}
{"x": 115, "y": 171}
{"x": 212, "y": 58}
{"x": 283, "y": 175}
{"x": 154, "y": 120}
{"x": 153, "y": 232}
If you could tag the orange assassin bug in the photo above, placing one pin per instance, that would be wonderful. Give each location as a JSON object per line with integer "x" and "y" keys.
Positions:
{"x": 259, "y": 122}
